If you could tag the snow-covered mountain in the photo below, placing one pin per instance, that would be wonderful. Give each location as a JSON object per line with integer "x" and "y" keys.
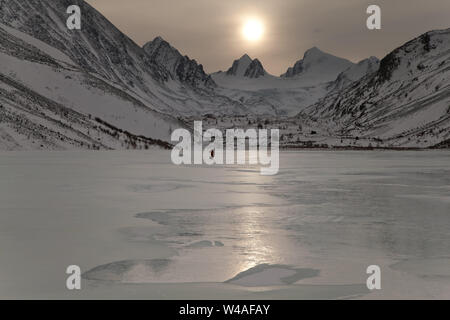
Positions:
{"x": 157, "y": 74}
{"x": 48, "y": 102}
{"x": 405, "y": 103}
{"x": 264, "y": 94}
{"x": 318, "y": 65}
{"x": 180, "y": 67}
{"x": 246, "y": 67}
{"x": 96, "y": 88}
{"x": 355, "y": 72}
{"x": 102, "y": 49}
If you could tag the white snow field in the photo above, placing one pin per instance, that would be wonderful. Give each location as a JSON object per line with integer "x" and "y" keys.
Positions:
{"x": 140, "y": 227}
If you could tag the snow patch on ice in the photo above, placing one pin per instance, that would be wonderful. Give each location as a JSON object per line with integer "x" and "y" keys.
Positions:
{"x": 205, "y": 244}
{"x": 272, "y": 275}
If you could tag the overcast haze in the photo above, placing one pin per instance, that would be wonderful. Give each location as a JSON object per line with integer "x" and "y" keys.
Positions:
{"x": 210, "y": 30}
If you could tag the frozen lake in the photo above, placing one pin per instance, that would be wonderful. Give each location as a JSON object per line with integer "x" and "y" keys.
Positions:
{"x": 141, "y": 227}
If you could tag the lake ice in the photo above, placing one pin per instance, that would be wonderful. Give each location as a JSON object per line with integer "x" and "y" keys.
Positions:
{"x": 141, "y": 227}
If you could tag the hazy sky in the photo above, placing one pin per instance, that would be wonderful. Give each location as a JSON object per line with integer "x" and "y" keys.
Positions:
{"x": 210, "y": 31}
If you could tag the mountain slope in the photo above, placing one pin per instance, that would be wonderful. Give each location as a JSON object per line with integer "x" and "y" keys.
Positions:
{"x": 405, "y": 103}
{"x": 355, "y": 72}
{"x": 47, "y": 101}
{"x": 99, "y": 48}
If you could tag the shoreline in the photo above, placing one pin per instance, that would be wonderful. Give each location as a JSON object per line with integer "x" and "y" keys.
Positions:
{"x": 351, "y": 148}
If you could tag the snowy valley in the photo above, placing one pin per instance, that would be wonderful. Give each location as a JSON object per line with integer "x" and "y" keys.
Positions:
{"x": 97, "y": 89}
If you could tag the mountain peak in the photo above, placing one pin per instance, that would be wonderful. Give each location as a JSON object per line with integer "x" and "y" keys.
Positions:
{"x": 159, "y": 44}
{"x": 313, "y": 50}
{"x": 246, "y": 67}
{"x": 178, "y": 66}
{"x": 158, "y": 39}
{"x": 318, "y": 63}
{"x": 245, "y": 57}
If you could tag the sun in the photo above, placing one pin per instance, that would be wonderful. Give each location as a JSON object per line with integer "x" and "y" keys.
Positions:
{"x": 253, "y": 30}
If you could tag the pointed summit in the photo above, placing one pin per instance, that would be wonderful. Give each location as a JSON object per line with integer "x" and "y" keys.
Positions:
{"x": 245, "y": 57}
{"x": 160, "y": 51}
{"x": 178, "y": 66}
{"x": 157, "y": 40}
{"x": 246, "y": 67}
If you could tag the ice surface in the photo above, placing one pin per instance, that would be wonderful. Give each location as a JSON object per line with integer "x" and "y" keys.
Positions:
{"x": 129, "y": 271}
{"x": 140, "y": 227}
